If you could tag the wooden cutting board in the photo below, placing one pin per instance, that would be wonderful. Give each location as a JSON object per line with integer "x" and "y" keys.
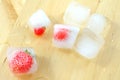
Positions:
{"x": 60, "y": 64}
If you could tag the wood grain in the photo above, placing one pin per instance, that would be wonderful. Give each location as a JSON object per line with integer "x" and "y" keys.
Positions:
{"x": 60, "y": 64}
{"x": 18, "y": 5}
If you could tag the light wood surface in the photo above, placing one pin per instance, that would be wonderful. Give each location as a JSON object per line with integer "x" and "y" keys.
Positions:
{"x": 18, "y": 5}
{"x": 60, "y": 64}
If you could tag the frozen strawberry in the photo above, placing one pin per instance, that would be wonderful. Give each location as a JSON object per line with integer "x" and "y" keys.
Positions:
{"x": 62, "y": 34}
{"x": 39, "y": 31}
{"x": 21, "y": 62}
{"x": 38, "y": 22}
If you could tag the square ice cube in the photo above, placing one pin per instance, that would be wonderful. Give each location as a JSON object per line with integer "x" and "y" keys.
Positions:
{"x": 76, "y": 14}
{"x": 39, "y": 19}
{"x": 65, "y": 35}
{"x": 97, "y": 23}
{"x": 89, "y": 44}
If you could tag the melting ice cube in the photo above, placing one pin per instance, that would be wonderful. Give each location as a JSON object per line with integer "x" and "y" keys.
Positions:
{"x": 39, "y": 19}
{"x": 65, "y": 35}
{"x": 97, "y": 23}
{"x": 76, "y": 14}
{"x": 19, "y": 60}
{"x": 89, "y": 44}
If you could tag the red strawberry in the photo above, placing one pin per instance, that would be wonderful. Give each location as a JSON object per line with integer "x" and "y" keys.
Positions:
{"x": 21, "y": 62}
{"x": 39, "y": 31}
{"x": 62, "y": 34}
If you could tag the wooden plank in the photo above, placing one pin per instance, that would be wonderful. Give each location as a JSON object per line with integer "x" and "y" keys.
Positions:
{"x": 108, "y": 61}
{"x": 57, "y": 64}
{"x": 7, "y": 19}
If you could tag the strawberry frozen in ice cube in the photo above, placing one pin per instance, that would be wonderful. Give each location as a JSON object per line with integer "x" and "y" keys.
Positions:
{"x": 65, "y": 35}
{"x": 39, "y": 22}
{"x": 21, "y": 60}
{"x": 62, "y": 34}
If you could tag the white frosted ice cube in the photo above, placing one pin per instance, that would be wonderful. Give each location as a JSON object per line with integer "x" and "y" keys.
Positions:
{"x": 39, "y": 19}
{"x": 97, "y": 23}
{"x": 89, "y": 44}
{"x": 70, "y": 39}
{"x": 76, "y": 14}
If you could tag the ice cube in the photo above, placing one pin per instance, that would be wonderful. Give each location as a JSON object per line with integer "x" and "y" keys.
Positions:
{"x": 97, "y": 23}
{"x": 65, "y": 35}
{"x": 39, "y": 19}
{"x": 76, "y": 14}
{"x": 11, "y": 57}
{"x": 89, "y": 44}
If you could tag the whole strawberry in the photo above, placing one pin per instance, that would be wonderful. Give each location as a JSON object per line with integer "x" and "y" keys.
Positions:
{"x": 39, "y": 31}
{"x": 21, "y": 61}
